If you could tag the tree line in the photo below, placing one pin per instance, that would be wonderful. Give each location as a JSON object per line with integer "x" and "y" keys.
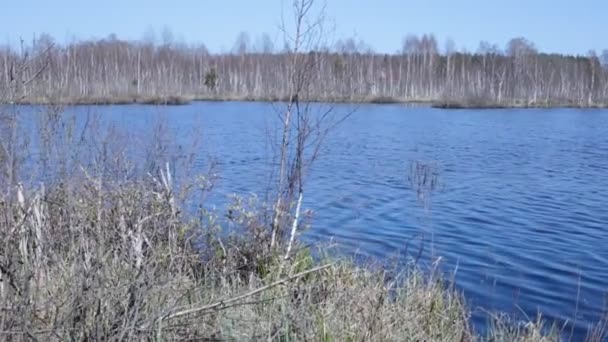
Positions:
{"x": 115, "y": 70}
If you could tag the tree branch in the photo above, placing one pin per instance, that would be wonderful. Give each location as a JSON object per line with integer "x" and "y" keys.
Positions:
{"x": 223, "y": 303}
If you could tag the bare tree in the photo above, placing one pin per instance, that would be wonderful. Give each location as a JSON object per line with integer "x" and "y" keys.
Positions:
{"x": 604, "y": 58}
{"x": 299, "y": 69}
{"x": 167, "y": 37}
{"x": 265, "y": 44}
{"x": 520, "y": 46}
{"x": 242, "y": 43}
{"x": 302, "y": 130}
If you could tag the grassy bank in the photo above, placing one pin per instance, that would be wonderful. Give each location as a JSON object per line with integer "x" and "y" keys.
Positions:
{"x": 187, "y": 99}
{"x": 488, "y": 104}
{"x": 119, "y": 262}
{"x": 108, "y": 100}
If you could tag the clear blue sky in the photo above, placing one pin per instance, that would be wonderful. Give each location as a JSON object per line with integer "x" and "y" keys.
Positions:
{"x": 568, "y": 26}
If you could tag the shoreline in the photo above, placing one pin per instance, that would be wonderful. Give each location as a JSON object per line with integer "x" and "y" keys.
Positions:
{"x": 175, "y": 100}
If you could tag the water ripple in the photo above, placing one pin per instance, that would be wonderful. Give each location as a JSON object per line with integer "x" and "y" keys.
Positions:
{"x": 521, "y": 211}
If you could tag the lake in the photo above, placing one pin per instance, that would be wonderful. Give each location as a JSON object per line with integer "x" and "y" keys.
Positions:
{"x": 520, "y": 216}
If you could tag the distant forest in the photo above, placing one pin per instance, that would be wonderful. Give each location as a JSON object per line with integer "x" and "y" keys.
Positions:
{"x": 112, "y": 71}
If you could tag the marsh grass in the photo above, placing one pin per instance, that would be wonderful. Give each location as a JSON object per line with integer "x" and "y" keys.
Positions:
{"x": 120, "y": 263}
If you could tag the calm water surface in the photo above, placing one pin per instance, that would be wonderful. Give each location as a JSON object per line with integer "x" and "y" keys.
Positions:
{"x": 521, "y": 214}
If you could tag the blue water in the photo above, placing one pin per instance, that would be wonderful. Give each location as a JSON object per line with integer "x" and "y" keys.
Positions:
{"x": 520, "y": 216}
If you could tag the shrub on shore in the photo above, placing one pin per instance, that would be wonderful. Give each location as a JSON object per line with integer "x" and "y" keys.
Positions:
{"x": 123, "y": 262}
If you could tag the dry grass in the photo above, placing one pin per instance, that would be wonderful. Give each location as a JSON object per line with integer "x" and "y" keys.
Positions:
{"x": 120, "y": 263}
